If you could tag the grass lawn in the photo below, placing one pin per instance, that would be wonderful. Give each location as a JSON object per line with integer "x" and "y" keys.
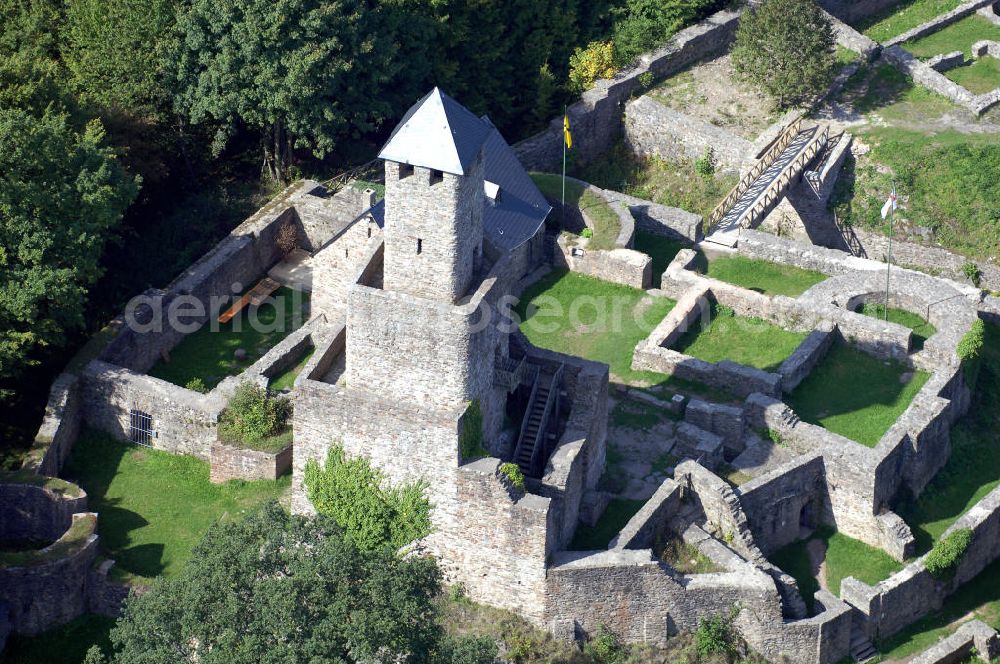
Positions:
{"x": 209, "y": 355}
{"x": 973, "y": 469}
{"x": 68, "y": 643}
{"x": 155, "y": 506}
{"x": 286, "y": 380}
{"x": 946, "y": 181}
{"x": 661, "y": 249}
{"x": 675, "y": 184}
{"x": 606, "y": 223}
{"x": 845, "y": 557}
{"x": 979, "y": 77}
{"x": 750, "y": 341}
{"x": 959, "y": 36}
{"x": 763, "y": 276}
{"x": 615, "y": 517}
{"x": 579, "y": 315}
{"x": 922, "y": 330}
{"x": 979, "y": 598}
{"x": 833, "y": 397}
{"x": 903, "y": 16}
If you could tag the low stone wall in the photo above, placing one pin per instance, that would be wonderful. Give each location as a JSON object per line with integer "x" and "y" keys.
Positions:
{"x": 657, "y": 219}
{"x": 726, "y": 422}
{"x": 598, "y": 114}
{"x": 238, "y": 463}
{"x": 938, "y": 82}
{"x": 651, "y": 128}
{"x": 37, "y": 509}
{"x": 59, "y": 429}
{"x": 804, "y": 359}
{"x": 738, "y": 379}
{"x": 945, "y": 61}
{"x": 934, "y": 260}
{"x": 184, "y": 422}
{"x": 912, "y": 593}
{"x": 621, "y": 266}
{"x": 987, "y": 48}
{"x": 853, "y": 40}
{"x": 974, "y": 635}
{"x": 940, "y": 21}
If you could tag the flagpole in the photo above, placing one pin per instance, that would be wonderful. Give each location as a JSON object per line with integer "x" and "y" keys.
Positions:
{"x": 888, "y": 258}
{"x": 564, "y": 169}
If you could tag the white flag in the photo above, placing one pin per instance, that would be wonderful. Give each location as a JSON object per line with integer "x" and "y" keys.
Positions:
{"x": 889, "y": 204}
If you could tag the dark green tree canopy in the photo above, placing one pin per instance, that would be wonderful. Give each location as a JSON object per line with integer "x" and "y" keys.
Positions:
{"x": 272, "y": 587}
{"x": 786, "y": 49}
{"x": 62, "y": 195}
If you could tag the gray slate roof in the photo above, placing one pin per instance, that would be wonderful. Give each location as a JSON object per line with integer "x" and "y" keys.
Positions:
{"x": 437, "y": 132}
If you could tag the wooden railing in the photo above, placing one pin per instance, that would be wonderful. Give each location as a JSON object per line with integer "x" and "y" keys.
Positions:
{"x": 509, "y": 372}
{"x": 778, "y": 146}
{"x": 527, "y": 416}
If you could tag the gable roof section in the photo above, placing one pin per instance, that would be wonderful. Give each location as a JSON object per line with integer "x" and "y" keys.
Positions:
{"x": 519, "y": 209}
{"x": 439, "y": 133}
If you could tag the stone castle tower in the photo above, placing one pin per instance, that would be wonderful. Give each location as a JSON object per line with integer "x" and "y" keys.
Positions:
{"x": 419, "y": 340}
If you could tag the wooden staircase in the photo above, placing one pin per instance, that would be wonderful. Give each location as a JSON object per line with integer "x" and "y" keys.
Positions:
{"x": 533, "y": 442}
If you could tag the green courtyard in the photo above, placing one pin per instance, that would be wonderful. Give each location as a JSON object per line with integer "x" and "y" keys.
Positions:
{"x": 833, "y": 397}
{"x": 959, "y": 36}
{"x": 902, "y": 16}
{"x": 763, "y": 276}
{"x": 750, "y": 341}
{"x": 209, "y": 353}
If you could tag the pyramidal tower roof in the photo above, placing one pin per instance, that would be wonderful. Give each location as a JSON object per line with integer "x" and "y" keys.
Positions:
{"x": 437, "y": 132}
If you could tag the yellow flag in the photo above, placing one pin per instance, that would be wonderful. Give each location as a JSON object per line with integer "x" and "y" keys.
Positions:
{"x": 566, "y": 134}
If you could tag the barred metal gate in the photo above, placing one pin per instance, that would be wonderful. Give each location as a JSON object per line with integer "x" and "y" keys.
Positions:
{"x": 141, "y": 428}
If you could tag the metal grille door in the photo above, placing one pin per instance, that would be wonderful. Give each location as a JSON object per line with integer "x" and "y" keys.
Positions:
{"x": 141, "y": 427}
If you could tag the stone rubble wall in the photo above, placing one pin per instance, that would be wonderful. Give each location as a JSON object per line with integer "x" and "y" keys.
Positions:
{"x": 598, "y": 114}
{"x": 621, "y": 266}
{"x": 774, "y": 502}
{"x": 322, "y": 216}
{"x": 989, "y": 12}
{"x": 941, "y": 21}
{"x": 650, "y": 522}
{"x": 938, "y": 82}
{"x": 654, "y": 129}
{"x": 972, "y": 638}
{"x": 52, "y": 590}
{"x": 853, "y": 40}
{"x": 912, "y": 593}
{"x": 104, "y": 596}
{"x": 337, "y": 263}
{"x": 229, "y": 462}
{"x": 852, "y": 11}
{"x": 184, "y": 421}
{"x": 945, "y": 61}
{"x": 724, "y": 421}
{"x": 809, "y": 353}
{"x": 670, "y": 222}
{"x": 59, "y": 429}
{"x": 38, "y": 513}
{"x": 986, "y": 47}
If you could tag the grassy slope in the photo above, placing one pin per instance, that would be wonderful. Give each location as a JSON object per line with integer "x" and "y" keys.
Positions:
{"x": 208, "y": 354}
{"x": 959, "y": 36}
{"x": 669, "y": 183}
{"x": 155, "y": 506}
{"x": 749, "y": 341}
{"x": 608, "y": 327}
{"x": 763, "y": 276}
{"x": 973, "y": 469}
{"x": 845, "y": 557}
{"x": 615, "y": 517}
{"x": 903, "y": 16}
{"x": 606, "y": 224}
{"x": 833, "y": 397}
{"x": 286, "y": 380}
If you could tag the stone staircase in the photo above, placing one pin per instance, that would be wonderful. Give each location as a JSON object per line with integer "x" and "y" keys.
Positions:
{"x": 862, "y": 649}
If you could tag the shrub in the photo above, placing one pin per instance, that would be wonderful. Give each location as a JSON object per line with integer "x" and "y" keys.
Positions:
{"x": 970, "y": 351}
{"x": 641, "y": 25}
{"x": 775, "y": 437}
{"x": 587, "y": 232}
{"x": 591, "y": 63}
{"x": 471, "y": 440}
{"x": 605, "y": 647}
{"x": 513, "y": 473}
{"x": 646, "y": 80}
{"x": 705, "y": 166}
{"x": 715, "y": 636}
{"x": 722, "y": 311}
{"x": 943, "y": 559}
{"x": 253, "y": 414}
{"x": 196, "y": 384}
{"x": 972, "y": 272}
{"x": 287, "y": 239}
{"x": 351, "y": 491}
